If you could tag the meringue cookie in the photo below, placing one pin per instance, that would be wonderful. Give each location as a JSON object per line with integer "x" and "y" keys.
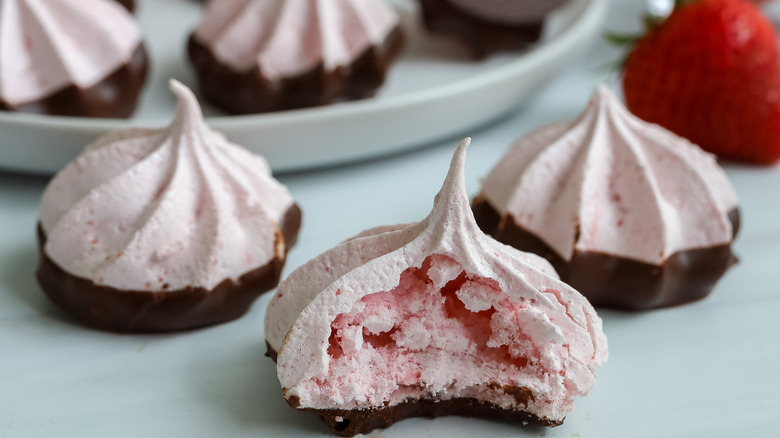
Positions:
{"x": 83, "y": 58}
{"x": 430, "y": 319}
{"x": 611, "y": 184}
{"x": 164, "y": 212}
{"x": 265, "y": 55}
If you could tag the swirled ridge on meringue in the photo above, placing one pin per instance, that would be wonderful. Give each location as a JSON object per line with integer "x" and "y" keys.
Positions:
{"x": 168, "y": 210}
{"x": 429, "y": 319}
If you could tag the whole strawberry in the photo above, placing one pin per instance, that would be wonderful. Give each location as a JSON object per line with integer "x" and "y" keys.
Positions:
{"x": 711, "y": 73}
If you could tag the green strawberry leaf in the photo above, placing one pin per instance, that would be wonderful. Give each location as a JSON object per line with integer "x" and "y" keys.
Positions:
{"x": 621, "y": 39}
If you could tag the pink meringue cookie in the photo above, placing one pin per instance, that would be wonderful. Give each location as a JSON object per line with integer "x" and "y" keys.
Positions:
{"x": 293, "y": 53}
{"x": 611, "y": 184}
{"x": 80, "y": 58}
{"x": 163, "y": 214}
{"x": 428, "y": 319}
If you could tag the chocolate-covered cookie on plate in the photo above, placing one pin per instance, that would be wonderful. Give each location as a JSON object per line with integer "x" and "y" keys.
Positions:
{"x": 253, "y": 56}
{"x": 81, "y": 58}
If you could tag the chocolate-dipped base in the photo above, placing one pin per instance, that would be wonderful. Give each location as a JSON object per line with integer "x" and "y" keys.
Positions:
{"x": 116, "y": 96}
{"x": 350, "y": 422}
{"x": 139, "y": 311}
{"x": 344, "y": 422}
{"x": 483, "y": 37}
{"x": 250, "y": 92}
{"x": 290, "y": 225}
{"x": 618, "y": 282}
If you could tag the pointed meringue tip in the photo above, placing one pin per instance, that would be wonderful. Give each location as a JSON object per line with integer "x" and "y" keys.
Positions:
{"x": 459, "y": 158}
{"x": 458, "y": 162}
{"x": 603, "y": 89}
{"x": 188, "y": 103}
{"x": 604, "y": 99}
{"x": 604, "y": 94}
{"x": 455, "y": 182}
{"x": 179, "y": 89}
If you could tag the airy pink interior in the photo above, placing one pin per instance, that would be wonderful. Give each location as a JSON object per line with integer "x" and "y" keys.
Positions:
{"x": 460, "y": 335}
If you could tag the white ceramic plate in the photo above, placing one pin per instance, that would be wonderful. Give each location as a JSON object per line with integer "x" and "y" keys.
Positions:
{"x": 433, "y": 92}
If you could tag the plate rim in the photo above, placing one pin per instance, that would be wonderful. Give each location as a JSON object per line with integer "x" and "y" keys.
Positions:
{"x": 292, "y": 141}
{"x": 593, "y": 11}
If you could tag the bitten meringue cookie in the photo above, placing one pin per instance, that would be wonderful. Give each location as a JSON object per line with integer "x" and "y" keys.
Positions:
{"x": 266, "y": 55}
{"x": 429, "y": 319}
{"x": 159, "y": 230}
{"x": 72, "y": 58}
{"x": 630, "y": 214}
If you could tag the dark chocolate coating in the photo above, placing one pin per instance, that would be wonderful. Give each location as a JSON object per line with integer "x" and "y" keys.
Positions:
{"x": 250, "y": 92}
{"x": 116, "y": 96}
{"x": 508, "y": 11}
{"x": 290, "y": 225}
{"x": 619, "y": 282}
{"x": 483, "y": 37}
{"x": 129, "y": 4}
{"x": 355, "y": 421}
{"x": 139, "y": 311}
